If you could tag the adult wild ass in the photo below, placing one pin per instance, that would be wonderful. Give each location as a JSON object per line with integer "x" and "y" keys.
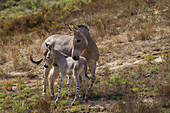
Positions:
{"x": 81, "y": 43}
{"x": 68, "y": 66}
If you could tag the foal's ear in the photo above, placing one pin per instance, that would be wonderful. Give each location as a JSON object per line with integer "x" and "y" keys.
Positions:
{"x": 48, "y": 46}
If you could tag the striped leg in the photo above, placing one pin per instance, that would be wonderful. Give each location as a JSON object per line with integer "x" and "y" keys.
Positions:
{"x": 46, "y": 72}
{"x": 69, "y": 86}
{"x": 53, "y": 77}
{"x": 80, "y": 93}
{"x": 86, "y": 82}
{"x": 77, "y": 88}
{"x": 60, "y": 85}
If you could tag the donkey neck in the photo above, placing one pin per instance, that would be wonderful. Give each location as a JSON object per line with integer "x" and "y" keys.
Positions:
{"x": 90, "y": 40}
{"x": 91, "y": 47}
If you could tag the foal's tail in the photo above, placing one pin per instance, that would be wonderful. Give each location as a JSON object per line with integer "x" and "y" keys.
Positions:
{"x": 35, "y": 62}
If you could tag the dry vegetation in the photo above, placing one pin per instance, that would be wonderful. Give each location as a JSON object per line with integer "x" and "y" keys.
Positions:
{"x": 133, "y": 37}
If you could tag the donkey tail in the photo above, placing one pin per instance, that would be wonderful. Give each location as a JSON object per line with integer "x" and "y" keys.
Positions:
{"x": 35, "y": 62}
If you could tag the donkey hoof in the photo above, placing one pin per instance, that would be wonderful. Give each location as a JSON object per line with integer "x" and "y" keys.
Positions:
{"x": 52, "y": 94}
{"x": 72, "y": 104}
{"x": 91, "y": 85}
{"x": 56, "y": 101}
{"x": 67, "y": 98}
{"x": 86, "y": 100}
{"x": 52, "y": 97}
{"x": 43, "y": 94}
{"x": 80, "y": 97}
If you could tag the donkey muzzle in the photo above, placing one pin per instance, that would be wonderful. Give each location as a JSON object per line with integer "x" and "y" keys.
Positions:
{"x": 75, "y": 55}
{"x": 75, "y": 58}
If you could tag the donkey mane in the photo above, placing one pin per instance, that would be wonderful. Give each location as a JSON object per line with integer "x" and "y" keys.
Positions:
{"x": 86, "y": 27}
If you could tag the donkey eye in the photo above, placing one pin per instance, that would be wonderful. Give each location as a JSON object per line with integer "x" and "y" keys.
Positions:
{"x": 78, "y": 40}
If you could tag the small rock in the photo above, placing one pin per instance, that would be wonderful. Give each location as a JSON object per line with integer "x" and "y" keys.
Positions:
{"x": 157, "y": 37}
{"x": 158, "y": 60}
{"x": 148, "y": 100}
{"x": 140, "y": 62}
{"x": 102, "y": 108}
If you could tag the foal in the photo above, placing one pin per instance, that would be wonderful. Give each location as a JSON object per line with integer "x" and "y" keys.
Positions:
{"x": 67, "y": 66}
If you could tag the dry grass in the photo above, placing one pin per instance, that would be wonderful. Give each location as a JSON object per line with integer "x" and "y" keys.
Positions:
{"x": 7, "y": 85}
{"x": 43, "y": 106}
{"x": 125, "y": 32}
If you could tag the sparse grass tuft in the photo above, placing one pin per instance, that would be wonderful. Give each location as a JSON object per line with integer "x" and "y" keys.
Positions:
{"x": 43, "y": 106}
{"x": 19, "y": 96}
{"x": 25, "y": 90}
{"x": 149, "y": 57}
{"x": 21, "y": 106}
{"x": 20, "y": 83}
{"x": 163, "y": 92}
{"x": 7, "y": 85}
{"x": 3, "y": 74}
{"x": 2, "y": 95}
{"x": 76, "y": 109}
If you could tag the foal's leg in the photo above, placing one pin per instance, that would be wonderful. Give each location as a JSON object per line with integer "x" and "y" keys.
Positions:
{"x": 60, "y": 85}
{"x": 80, "y": 92}
{"x": 77, "y": 87}
{"x": 86, "y": 83}
{"x": 92, "y": 71}
{"x": 53, "y": 77}
{"x": 69, "y": 86}
{"x": 46, "y": 72}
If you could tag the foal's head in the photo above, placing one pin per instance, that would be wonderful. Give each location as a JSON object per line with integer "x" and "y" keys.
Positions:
{"x": 49, "y": 57}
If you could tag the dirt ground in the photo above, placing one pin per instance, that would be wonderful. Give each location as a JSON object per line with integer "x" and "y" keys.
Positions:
{"x": 132, "y": 74}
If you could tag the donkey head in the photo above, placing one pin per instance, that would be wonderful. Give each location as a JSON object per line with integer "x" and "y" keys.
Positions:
{"x": 49, "y": 57}
{"x": 80, "y": 42}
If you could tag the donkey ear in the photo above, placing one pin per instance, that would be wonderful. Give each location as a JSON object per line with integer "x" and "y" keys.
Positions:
{"x": 75, "y": 28}
{"x": 72, "y": 27}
